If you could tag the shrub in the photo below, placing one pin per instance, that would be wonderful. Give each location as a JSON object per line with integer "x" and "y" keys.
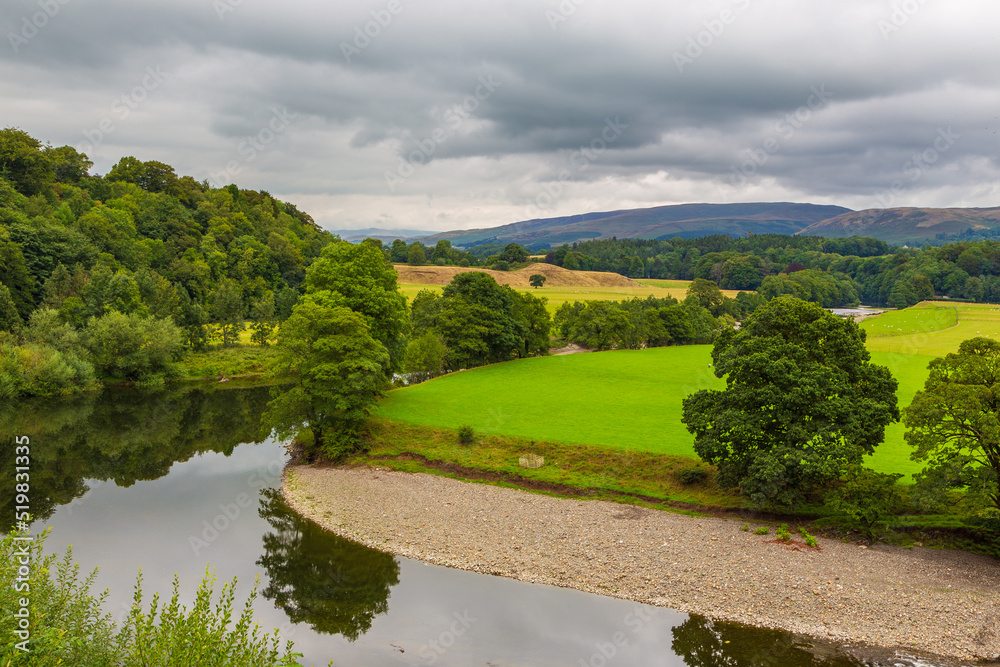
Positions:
{"x": 866, "y": 498}
{"x": 762, "y": 530}
{"x": 466, "y": 434}
{"x": 745, "y": 528}
{"x": 693, "y": 475}
{"x": 67, "y": 625}
{"x": 133, "y": 347}
{"x": 783, "y": 533}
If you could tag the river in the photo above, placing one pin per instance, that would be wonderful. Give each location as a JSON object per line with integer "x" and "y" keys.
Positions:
{"x": 178, "y": 480}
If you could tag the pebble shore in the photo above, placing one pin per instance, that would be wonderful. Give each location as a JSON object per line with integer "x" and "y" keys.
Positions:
{"x": 941, "y": 602}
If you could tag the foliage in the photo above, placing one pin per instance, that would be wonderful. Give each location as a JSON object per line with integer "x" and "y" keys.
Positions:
{"x": 802, "y": 402}
{"x": 954, "y": 423}
{"x": 135, "y": 348}
{"x": 67, "y": 625}
{"x": 867, "y": 498}
{"x": 761, "y": 530}
{"x": 425, "y": 357}
{"x": 693, "y": 475}
{"x": 537, "y": 280}
{"x": 482, "y": 322}
{"x": 782, "y": 533}
{"x": 142, "y": 240}
{"x": 339, "y": 371}
{"x": 40, "y": 370}
{"x": 466, "y": 434}
{"x": 362, "y": 279}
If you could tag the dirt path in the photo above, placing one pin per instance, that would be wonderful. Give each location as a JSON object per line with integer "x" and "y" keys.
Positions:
{"x": 941, "y": 602}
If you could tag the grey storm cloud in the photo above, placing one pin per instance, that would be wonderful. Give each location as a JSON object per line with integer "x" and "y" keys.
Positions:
{"x": 410, "y": 113}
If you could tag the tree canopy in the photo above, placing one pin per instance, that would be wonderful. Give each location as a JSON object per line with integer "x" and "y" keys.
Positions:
{"x": 802, "y": 402}
{"x": 954, "y": 423}
{"x": 339, "y": 371}
{"x": 361, "y": 278}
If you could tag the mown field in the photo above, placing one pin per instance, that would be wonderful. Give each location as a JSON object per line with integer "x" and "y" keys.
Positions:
{"x": 631, "y": 399}
{"x": 558, "y": 295}
{"x": 932, "y": 328}
{"x": 628, "y": 399}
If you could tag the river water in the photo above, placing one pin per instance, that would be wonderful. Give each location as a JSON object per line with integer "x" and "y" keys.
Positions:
{"x": 179, "y": 480}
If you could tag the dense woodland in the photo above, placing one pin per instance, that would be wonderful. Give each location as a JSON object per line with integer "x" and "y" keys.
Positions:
{"x": 89, "y": 264}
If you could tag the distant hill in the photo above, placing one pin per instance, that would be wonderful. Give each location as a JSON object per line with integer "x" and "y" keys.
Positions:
{"x": 906, "y": 225}
{"x": 687, "y": 220}
{"x": 384, "y": 235}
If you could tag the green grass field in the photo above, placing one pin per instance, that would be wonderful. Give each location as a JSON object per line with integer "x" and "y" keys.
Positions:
{"x": 932, "y": 328}
{"x": 629, "y": 399}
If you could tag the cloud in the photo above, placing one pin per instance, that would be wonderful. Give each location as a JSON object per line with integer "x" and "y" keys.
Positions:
{"x": 712, "y": 94}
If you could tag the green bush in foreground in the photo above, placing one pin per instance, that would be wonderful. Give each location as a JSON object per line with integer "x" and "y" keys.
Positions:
{"x": 466, "y": 434}
{"x": 67, "y": 626}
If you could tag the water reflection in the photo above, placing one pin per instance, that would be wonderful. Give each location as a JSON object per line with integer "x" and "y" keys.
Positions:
{"x": 702, "y": 642}
{"x": 121, "y": 435}
{"x": 334, "y": 585}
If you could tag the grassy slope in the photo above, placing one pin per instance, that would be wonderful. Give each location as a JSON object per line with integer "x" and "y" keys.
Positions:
{"x": 624, "y": 400}
{"x": 929, "y": 329}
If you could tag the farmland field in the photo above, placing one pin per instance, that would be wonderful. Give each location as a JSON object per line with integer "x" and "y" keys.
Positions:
{"x": 628, "y": 399}
{"x": 932, "y": 328}
{"x": 631, "y": 399}
{"x": 558, "y": 295}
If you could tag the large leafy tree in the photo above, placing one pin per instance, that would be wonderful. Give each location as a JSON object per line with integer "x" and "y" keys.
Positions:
{"x": 360, "y": 278}
{"x": 339, "y": 371}
{"x": 954, "y": 423}
{"x": 802, "y": 402}
{"x": 477, "y": 320}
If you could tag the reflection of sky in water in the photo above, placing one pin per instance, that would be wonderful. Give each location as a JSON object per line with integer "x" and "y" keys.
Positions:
{"x": 151, "y": 525}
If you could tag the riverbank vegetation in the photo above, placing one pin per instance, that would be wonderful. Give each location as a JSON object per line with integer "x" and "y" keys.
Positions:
{"x": 51, "y": 616}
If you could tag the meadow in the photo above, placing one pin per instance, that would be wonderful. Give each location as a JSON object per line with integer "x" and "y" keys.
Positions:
{"x": 631, "y": 399}
{"x": 558, "y": 295}
{"x": 932, "y": 328}
{"x": 626, "y": 399}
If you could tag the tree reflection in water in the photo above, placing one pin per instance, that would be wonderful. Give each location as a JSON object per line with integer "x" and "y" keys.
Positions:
{"x": 702, "y": 642}
{"x": 122, "y": 436}
{"x": 334, "y": 585}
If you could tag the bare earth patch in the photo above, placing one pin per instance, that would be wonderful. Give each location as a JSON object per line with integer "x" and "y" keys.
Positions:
{"x": 555, "y": 276}
{"x": 941, "y": 602}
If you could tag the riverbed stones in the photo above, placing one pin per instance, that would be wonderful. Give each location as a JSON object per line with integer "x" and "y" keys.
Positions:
{"x": 939, "y": 602}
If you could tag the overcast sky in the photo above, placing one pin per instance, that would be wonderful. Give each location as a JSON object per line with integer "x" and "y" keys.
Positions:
{"x": 458, "y": 114}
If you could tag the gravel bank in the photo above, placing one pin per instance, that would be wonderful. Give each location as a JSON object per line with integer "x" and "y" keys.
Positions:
{"x": 942, "y": 602}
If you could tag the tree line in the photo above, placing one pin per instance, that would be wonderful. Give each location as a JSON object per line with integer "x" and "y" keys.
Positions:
{"x": 841, "y": 271}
